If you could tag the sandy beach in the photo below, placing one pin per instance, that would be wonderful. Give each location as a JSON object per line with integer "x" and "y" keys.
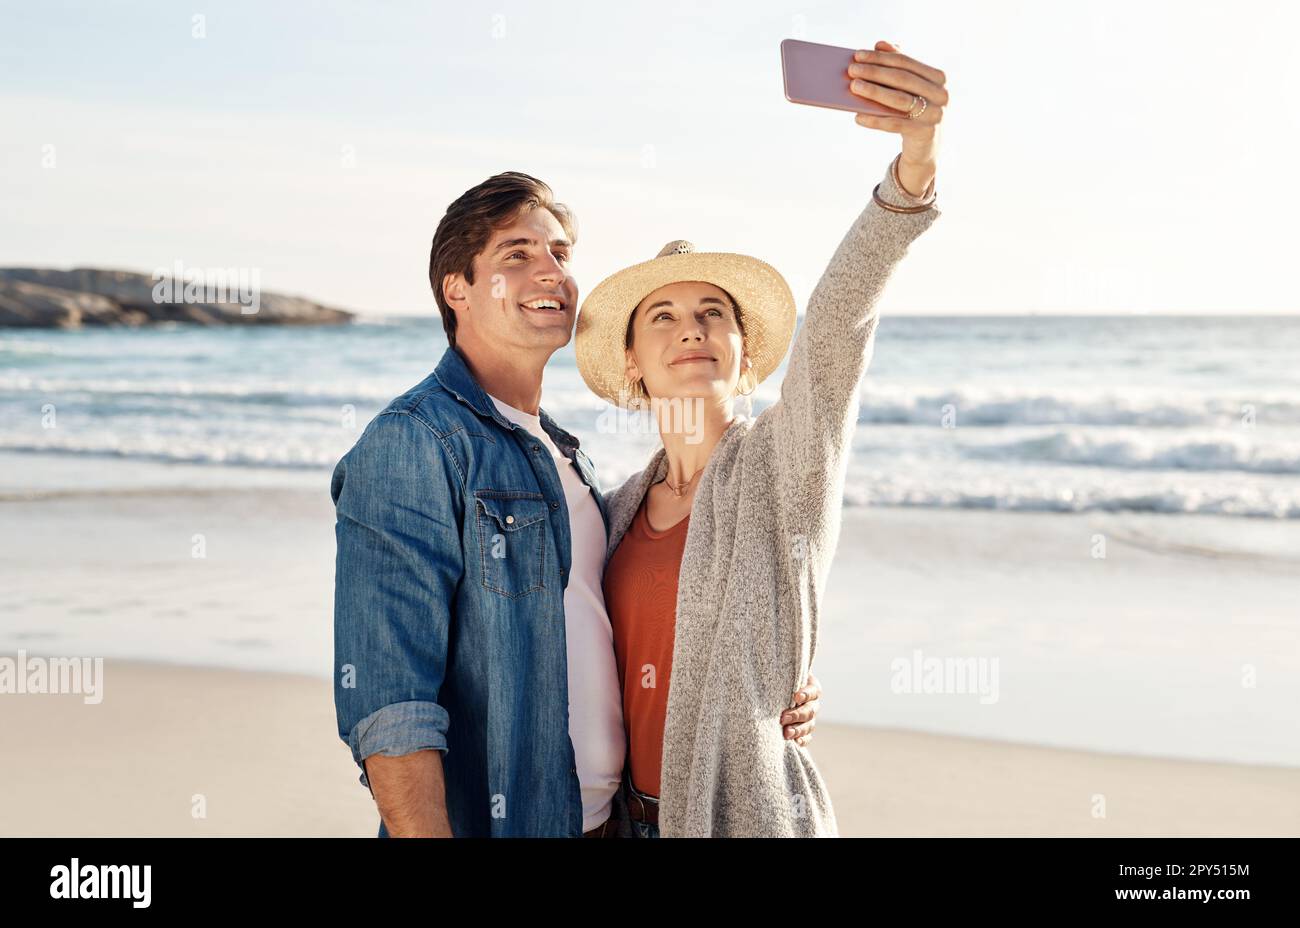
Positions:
{"x": 1121, "y": 709}
{"x": 259, "y": 749}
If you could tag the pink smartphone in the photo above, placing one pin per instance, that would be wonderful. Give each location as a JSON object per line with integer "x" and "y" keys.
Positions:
{"x": 817, "y": 75}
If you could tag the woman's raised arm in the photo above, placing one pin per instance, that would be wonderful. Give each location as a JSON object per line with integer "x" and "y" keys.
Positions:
{"x": 813, "y": 422}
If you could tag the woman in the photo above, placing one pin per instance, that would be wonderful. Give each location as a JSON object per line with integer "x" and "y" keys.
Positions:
{"x": 719, "y": 549}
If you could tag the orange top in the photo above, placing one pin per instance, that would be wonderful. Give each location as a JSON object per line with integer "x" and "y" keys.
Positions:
{"x": 641, "y": 598}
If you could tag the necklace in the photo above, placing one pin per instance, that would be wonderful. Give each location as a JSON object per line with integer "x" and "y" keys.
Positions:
{"x": 679, "y": 491}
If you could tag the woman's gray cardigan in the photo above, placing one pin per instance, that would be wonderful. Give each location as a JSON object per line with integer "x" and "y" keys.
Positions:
{"x": 763, "y": 529}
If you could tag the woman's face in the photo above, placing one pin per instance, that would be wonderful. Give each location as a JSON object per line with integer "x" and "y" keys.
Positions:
{"x": 686, "y": 342}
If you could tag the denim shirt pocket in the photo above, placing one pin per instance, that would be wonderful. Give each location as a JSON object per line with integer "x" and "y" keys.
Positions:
{"x": 512, "y": 531}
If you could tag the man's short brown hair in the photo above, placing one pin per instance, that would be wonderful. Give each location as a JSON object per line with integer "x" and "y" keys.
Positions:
{"x": 470, "y": 221}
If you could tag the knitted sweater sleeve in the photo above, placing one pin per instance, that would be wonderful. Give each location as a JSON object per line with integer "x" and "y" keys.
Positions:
{"x": 811, "y": 425}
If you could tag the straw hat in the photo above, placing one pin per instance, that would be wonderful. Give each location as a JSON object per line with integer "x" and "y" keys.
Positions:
{"x": 767, "y": 310}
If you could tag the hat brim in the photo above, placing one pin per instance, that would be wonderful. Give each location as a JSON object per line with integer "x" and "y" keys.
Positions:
{"x": 766, "y": 304}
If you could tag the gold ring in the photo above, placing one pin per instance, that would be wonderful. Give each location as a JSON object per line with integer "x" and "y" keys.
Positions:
{"x": 917, "y": 114}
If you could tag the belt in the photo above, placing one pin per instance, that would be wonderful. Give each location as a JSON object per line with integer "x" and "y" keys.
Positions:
{"x": 641, "y": 807}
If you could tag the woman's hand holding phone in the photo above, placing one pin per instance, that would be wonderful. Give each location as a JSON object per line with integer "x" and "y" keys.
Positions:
{"x": 885, "y": 75}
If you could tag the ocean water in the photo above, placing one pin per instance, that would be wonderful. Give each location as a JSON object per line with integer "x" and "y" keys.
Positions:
{"x": 1143, "y": 413}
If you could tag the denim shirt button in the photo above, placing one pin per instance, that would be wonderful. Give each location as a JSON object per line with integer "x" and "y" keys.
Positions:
{"x": 554, "y": 504}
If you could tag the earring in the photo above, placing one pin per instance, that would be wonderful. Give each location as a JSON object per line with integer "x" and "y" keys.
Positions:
{"x": 749, "y": 372}
{"x": 748, "y": 394}
{"x": 635, "y": 391}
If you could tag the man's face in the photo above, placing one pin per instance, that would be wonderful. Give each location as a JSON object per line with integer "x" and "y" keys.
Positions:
{"x": 523, "y": 297}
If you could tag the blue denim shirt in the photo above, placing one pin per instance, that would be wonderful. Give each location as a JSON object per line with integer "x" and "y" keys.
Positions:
{"x": 453, "y": 556}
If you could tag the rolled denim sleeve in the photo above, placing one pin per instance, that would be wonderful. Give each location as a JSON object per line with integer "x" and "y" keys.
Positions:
{"x": 398, "y": 566}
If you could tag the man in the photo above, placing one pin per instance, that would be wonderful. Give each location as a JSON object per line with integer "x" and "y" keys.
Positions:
{"x": 476, "y": 682}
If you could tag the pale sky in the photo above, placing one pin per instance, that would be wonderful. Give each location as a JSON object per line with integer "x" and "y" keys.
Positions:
{"x": 1096, "y": 157}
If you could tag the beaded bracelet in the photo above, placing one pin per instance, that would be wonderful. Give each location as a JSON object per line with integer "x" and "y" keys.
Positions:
{"x": 893, "y": 170}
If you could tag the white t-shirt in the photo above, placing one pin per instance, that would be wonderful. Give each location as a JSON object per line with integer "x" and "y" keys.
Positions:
{"x": 595, "y": 699}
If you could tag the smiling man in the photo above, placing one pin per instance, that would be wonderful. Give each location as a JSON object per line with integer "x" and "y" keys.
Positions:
{"x": 475, "y": 673}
